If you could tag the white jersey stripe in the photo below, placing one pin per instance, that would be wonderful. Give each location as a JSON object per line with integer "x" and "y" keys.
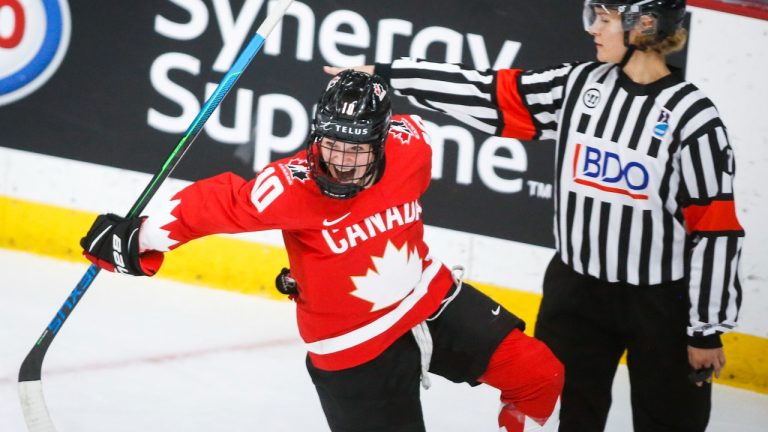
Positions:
{"x": 456, "y": 89}
{"x": 718, "y": 278}
{"x": 544, "y": 77}
{"x": 469, "y": 75}
{"x": 689, "y": 175}
{"x": 544, "y": 98}
{"x": 695, "y": 124}
{"x": 546, "y": 117}
{"x": 472, "y": 111}
{"x": 695, "y": 278}
{"x": 707, "y": 166}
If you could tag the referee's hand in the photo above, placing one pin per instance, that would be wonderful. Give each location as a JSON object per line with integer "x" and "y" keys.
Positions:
{"x": 702, "y": 358}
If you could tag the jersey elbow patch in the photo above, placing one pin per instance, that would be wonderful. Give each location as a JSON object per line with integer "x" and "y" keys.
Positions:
{"x": 717, "y": 216}
{"x": 518, "y": 122}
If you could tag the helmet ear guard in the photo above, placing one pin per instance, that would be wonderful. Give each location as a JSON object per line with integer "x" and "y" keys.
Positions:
{"x": 354, "y": 109}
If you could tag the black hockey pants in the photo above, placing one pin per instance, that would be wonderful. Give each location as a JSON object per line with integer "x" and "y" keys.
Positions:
{"x": 589, "y": 324}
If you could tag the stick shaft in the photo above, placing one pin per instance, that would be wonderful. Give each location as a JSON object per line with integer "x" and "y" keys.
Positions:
{"x": 229, "y": 80}
{"x": 30, "y": 386}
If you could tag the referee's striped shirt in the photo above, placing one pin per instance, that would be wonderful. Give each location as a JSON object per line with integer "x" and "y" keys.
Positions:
{"x": 644, "y": 183}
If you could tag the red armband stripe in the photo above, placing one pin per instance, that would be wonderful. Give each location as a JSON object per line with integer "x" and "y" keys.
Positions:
{"x": 715, "y": 216}
{"x": 517, "y": 120}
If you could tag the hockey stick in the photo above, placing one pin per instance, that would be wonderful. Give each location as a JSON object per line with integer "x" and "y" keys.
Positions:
{"x": 30, "y": 384}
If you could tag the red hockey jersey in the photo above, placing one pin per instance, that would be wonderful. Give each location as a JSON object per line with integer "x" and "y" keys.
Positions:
{"x": 362, "y": 265}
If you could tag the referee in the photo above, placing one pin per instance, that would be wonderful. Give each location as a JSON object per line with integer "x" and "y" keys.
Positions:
{"x": 648, "y": 243}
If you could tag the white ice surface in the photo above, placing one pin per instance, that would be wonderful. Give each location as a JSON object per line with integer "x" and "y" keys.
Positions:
{"x": 141, "y": 354}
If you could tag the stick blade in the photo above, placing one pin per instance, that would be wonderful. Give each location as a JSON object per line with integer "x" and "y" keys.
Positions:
{"x": 34, "y": 408}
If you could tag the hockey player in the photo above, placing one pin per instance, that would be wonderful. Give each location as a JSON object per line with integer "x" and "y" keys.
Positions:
{"x": 375, "y": 309}
{"x": 648, "y": 242}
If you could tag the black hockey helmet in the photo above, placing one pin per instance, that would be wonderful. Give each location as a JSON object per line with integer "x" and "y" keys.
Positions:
{"x": 668, "y": 14}
{"x": 354, "y": 108}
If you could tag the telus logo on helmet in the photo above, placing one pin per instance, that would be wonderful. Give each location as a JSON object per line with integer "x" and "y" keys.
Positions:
{"x": 329, "y": 126}
{"x": 34, "y": 37}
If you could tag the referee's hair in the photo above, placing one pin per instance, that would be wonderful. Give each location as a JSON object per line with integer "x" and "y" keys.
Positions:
{"x": 666, "y": 46}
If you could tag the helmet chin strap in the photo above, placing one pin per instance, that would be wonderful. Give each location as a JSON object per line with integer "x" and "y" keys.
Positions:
{"x": 336, "y": 190}
{"x": 627, "y": 55}
{"x": 631, "y": 48}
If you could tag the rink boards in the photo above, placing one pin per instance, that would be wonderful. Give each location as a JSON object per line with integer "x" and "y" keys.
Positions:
{"x": 48, "y": 203}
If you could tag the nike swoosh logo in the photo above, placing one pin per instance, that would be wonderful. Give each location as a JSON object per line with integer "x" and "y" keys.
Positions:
{"x": 326, "y": 222}
{"x": 497, "y": 310}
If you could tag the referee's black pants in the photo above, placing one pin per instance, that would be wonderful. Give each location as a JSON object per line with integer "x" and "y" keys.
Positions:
{"x": 588, "y": 323}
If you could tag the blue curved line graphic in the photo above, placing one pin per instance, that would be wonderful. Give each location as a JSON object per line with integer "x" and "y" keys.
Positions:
{"x": 43, "y": 58}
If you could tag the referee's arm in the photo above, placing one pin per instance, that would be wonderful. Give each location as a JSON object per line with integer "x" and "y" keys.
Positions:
{"x": 715, "y": 236}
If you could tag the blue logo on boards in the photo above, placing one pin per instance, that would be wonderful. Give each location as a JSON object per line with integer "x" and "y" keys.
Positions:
{"x": 34, "y": 37}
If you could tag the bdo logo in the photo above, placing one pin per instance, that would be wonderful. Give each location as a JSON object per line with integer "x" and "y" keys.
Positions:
{"x": 34, "y": 36}
{"x": 605, "y": 170}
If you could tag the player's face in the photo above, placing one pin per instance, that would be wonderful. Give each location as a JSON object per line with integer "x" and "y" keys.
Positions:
{"x": 347, "y": 162}
{"x": 608, "y": 35}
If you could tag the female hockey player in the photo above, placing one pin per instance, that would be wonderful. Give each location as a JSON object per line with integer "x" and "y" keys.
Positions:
{"x": 647, "y": 239}
{"x": 375, "y": 309}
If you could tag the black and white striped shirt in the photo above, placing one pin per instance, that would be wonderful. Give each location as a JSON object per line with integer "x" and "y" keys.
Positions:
{"x": 644, "y": 173}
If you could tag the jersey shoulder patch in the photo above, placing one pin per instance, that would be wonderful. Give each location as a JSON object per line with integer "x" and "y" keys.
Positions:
{"x": 294, "y": 169}
{"x": 406, "y": 129}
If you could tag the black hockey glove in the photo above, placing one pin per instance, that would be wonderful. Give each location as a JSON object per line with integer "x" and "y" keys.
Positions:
{"x": 286, "y": 284}
{"x": 112, "y": 243}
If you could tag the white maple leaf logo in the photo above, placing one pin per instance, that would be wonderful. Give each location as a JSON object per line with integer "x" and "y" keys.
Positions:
{"x": 395, "y": 274}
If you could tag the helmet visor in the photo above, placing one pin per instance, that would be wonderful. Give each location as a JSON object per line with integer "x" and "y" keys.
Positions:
{"x": 595, "y": 10}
